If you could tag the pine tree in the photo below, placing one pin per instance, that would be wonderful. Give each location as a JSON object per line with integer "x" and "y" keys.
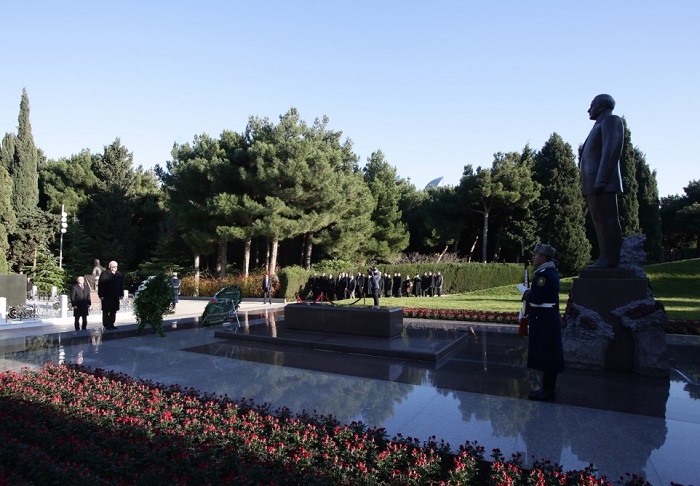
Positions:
{"x": 627, "y": 200}
{"x": 109, "y": 215}
{"x": 390, "y": 236}
{"x": 649, "y": 215}
{"x": 560, "y": 209}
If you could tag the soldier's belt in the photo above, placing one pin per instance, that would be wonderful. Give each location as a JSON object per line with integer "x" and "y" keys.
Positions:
{"x": 546, "y": 306}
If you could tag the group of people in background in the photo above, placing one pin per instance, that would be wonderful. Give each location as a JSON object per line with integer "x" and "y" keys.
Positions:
{"x": 349, "y": 286}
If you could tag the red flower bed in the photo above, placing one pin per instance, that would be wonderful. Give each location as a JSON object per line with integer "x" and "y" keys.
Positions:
{"x": 72, "y": 425}
{"x": 672, "y": 326}
{"x": 462, "y": 315}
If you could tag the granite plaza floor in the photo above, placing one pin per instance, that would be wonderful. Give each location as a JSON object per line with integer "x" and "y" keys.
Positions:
{"x": 620, "y": 422}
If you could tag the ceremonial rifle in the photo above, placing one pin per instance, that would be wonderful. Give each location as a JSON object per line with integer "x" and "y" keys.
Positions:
{"x": 522, "y": 330}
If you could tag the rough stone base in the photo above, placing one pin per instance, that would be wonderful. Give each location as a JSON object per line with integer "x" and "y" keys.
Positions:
{"x": 604, "y": 291}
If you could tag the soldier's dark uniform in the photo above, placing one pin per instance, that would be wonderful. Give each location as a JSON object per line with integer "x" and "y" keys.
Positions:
{"x": 545, "y": 351}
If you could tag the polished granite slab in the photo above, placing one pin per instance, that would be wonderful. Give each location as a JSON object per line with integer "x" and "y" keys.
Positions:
{"x": 621, "y": 423}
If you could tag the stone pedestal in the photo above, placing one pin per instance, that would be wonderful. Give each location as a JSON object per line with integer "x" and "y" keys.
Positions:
{"x": 95, "y": 303}
{"x": 362, "y": 321}
{"x": 604, "y": 291}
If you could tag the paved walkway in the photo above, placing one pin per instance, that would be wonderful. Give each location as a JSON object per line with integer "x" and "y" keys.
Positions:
{"x": 621, "y": 423}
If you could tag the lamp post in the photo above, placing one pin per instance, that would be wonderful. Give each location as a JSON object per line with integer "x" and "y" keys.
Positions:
{"x": 64, "y": 225}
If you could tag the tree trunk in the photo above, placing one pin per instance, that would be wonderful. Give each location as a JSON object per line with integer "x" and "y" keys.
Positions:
{"x": 246, "y": 256}
{"x": 309, "y": 248}
{"x": 273, "y": 256}
{"x": 485, "y": 233}
{"x": 439, "y": 256}
{"x": 196, "y": 275}
{"x": 473, "y": 248}
{"x": 222, "y": 259}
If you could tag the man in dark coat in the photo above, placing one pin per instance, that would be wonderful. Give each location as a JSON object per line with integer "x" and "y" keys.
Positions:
{"x": 375, "y": 279}
{"x": 176, "y": 284}
{"x": 397, "y": 285}
{"x": 110, "y": 288}
{"x": 360, "y": 284}
{"x": 267, "y": 289}
{"x": 80, "y": 300}
{"x": 438, "y": 284}
{"x": 417, "y": 286}
{"x": 388, "y": 285}
{"x": 544, "y": 350}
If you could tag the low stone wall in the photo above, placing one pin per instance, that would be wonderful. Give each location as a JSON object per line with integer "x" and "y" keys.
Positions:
{"x": 360, "y": 321}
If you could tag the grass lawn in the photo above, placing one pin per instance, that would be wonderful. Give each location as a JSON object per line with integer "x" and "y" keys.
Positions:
{"x": 675, "y": 284}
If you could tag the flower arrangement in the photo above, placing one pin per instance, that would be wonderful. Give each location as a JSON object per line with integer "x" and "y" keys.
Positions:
{"x": 152, "y": 301}
{"x": 71, "y": 424}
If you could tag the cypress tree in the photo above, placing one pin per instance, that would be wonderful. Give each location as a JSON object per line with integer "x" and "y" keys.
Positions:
{"x": 7, "y": 218}
{"x": 627, "y": 200}
{"x": 649, "y": 215}
{"x": 24, "y": 170}
{"x": 560, "y": 209}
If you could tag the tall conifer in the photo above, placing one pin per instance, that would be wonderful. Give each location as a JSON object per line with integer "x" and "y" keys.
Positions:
{"x": 24, "y": 171}
{"x": 560, "y": 209}
{"x": 627, "y": 200}
{"x": 649, "y": 215}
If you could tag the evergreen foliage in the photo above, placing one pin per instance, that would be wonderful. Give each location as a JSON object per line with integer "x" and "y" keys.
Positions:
{"x": 108, "y": 213}
{"x": 627, "y": 200}
{"x": 47, "y": 273}
{"x": 24, "y": 170}
{"x": 559, "y": 211}
{"x": 494, "y": 192}
{"x": 389, "y": 235}
{"x": 7, "y": 218}
{"x": 680, "y": 220}
{"x": 649, "y": 216}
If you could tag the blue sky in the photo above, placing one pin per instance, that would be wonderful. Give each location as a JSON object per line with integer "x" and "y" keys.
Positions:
{"x": 433, "y": 85}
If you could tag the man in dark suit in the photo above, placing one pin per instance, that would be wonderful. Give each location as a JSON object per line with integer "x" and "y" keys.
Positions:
{"x": 110, "y": 288}
{"x": 600, "y": 177}
{"x": 80, "y": 300}
{"x": 267, "y": 289}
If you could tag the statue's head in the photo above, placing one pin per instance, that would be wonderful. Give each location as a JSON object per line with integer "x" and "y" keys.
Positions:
{"x": 600, "y": 103}
{"x": 606, "y": 100}
{"x": 97, "y": 262}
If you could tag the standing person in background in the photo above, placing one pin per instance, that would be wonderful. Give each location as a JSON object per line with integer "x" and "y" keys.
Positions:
{"x": 375, "y": 277}
{"x": 30, "y": 288}
{"x": 80, "y": 300}
{"x": 544, "y": 350}
{"x": 175, "y": 283}
{"x": 267, "y": 288}
{"x": 438, "y": 284}
{"x": 360, "y": 285}
{"x": 110, "y": 288}
{"x": 388, "y": 285}
{"x": 408, "y": 285}
{"x": 397, "y": 285}
{"x": 417, "y": 288}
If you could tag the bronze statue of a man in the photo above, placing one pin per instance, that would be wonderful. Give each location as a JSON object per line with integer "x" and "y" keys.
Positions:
{"x": 599, "y": 162}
